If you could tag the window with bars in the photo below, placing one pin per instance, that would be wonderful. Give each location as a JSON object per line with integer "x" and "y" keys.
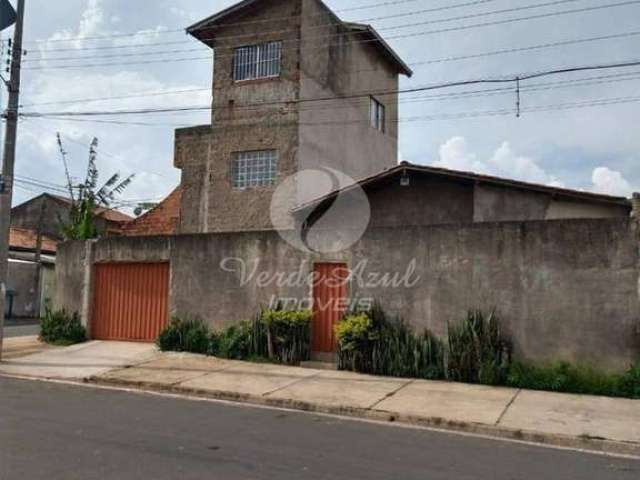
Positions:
{"x": 257, "y": 61}
{"x": 378, "y": 114}
{"x": 254, "y": 169}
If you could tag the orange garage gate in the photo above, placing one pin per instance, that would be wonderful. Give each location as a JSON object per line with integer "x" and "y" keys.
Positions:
{"x": 130, "y": 301}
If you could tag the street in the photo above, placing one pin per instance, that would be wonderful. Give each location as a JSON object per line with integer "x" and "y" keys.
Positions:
{"x": 57, "y": 431}
{"x": 14, "y": 329}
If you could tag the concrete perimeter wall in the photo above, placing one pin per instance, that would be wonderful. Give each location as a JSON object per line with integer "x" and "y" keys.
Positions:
{"x": 565, "y": 290}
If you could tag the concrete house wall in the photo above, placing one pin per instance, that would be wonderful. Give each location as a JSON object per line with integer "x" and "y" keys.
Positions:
{"x": 337, "y": 134}
{"x": 317, "y": 63}
{"x": 565, "y": 290}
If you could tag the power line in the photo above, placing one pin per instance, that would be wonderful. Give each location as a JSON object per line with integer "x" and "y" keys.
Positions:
{"x": 413, "y": 64}
{"x": 505, "y": 79}
{"x": 271, "y": 20}
{"x": 410, "y": 35}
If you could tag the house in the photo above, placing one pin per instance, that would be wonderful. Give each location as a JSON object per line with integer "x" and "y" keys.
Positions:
{"x": 163, "y": 219}
{"x": 31, "y": 275}
{"x": 273, "y": 60}
{"x": 413, "y": 195}
{"x": 48, "y": 212}
{"x": 296, "y": 89}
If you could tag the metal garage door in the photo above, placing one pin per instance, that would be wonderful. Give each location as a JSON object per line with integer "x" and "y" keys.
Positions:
{"x": 130, "y": 301}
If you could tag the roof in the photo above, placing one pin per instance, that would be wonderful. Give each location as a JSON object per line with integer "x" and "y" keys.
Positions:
{"x": 164, "y": 219}
{"x": 198, "y": 28}
{"x": 109, "y": 214}
{"x": 26, "y": 239}
{"x": 473, "y": 177}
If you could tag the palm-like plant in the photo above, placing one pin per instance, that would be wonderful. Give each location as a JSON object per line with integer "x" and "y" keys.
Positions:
{"x": 86, "y": 197}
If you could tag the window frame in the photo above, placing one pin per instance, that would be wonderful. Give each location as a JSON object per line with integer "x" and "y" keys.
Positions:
{"x": 264, "y": 174}
{"x": 377, "y": 114}
{"x": 253, "y": 60}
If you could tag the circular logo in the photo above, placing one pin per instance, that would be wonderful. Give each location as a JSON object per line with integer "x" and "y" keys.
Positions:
{"x": 320, "y": 210}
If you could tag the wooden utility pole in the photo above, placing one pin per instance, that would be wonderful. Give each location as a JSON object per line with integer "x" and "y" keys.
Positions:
{"x": 11, "y": 135}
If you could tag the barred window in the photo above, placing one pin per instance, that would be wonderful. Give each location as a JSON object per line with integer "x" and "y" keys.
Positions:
{"x": 254, "y": 169}
{"x": 378, "y": 113}
{"x": 257, "y": 61}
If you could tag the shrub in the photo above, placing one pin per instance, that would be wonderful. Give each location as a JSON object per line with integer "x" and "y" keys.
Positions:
{"x": 185, "y": 335}
{"x": 61, "y": 328}
{"x": 234, "y": 342}
{"x": 288, "y": 335}
{"x": 630, "y": 382}
{"x": 372, "y": 343}
{"x": 478, "y": 352}
{"x": 581, "y": 379}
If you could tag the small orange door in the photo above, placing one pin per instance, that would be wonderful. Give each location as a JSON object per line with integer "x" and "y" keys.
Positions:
{"x": 130, "y": 301}
{"x": 329, "y": 303}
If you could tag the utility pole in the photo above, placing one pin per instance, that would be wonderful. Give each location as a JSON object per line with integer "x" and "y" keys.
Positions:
{"x": 6, "y": 184}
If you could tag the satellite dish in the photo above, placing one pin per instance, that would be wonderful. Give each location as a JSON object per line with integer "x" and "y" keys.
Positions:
{"x": 7, "y": 14}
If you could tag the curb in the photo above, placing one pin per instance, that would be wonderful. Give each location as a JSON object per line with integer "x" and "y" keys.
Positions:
{"x": 590, "y": 444}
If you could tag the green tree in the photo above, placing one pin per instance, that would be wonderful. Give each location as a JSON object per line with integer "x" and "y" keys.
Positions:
{"x": 86, "y": 196}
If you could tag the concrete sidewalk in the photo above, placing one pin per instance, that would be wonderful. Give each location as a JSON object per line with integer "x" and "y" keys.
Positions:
{"x": 598, "y": 423}
{"x": 595, "y": 423}
{"x": 22, "y": 346}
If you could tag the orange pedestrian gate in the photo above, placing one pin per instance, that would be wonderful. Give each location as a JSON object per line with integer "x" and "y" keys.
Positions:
{"x": 130, "y": 301}
{"x": 329, "y": 304}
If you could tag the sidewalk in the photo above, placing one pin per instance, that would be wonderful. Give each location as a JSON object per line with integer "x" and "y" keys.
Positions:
{"x": 594, "y": 423}
{"x": 598, "y": 423}
{"x": 16, "y": 347}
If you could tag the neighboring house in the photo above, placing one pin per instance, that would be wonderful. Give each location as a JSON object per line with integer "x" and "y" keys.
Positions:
{"x": 164, "y": 219}
{"x": 271, "y": 59}
{"x": 50, "y": 210}
{"x": 29, "y": 288}
{"x": 416, "y": 195}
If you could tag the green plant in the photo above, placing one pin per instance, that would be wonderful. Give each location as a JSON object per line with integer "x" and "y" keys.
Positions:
{"x": 630, "y": 382}
{"x": 235, "y": 342}
{"x": 185, "y": 335}
{"x": 569, "y": 378}
{"x": 86, "y": 197}
{"x": 288, "y": 335}
{"x": 478, "y": 352}
{"x": 370, "y": 342}
{"x": 61, "y": 328}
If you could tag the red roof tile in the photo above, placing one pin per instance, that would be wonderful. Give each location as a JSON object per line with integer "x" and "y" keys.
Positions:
{"x": 26, "y": 239}
{"x": 164, "y": 219}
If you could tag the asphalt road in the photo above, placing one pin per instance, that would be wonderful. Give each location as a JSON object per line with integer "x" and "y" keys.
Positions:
{"x": 53, "y": 431}
{"x": 21, "y": 330}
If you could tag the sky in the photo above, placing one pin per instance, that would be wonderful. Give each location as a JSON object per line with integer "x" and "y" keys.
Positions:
{"x": 561, "y": 137}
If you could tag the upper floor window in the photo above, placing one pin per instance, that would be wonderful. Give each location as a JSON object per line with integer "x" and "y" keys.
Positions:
{"x": 254, "y": 169}
{"x": 257, "y": 61}
{"x": 377, "y": 115}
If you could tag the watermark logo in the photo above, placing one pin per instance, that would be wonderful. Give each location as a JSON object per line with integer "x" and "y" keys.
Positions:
{"x": 320, "y": 210}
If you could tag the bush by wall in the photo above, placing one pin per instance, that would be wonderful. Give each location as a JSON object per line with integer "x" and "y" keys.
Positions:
{"x": 371, "y": 342}
{"x": 280, "y": 336}
{"x": 61, "y": 328}
{"x": 568, "y": 378}
{"x": 185, "y": 335}
{"x": 478, "y": 352}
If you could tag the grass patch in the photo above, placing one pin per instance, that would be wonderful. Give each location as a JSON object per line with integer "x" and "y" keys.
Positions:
{"x": 580, "y": 379}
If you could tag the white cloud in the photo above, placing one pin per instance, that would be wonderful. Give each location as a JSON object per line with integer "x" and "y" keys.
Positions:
{"x": 610, "y": 182}
{"x": 504, "y": 162}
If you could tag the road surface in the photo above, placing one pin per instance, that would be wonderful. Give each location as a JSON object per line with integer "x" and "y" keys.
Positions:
{"x": 55, "y": 431}
{"x": 17, "y": 330}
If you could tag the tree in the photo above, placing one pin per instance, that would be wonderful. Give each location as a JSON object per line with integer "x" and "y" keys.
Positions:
{"x": 86, "y": 197}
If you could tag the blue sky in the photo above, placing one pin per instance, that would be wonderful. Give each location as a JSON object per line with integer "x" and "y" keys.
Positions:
{"x": 591, "y": 148}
